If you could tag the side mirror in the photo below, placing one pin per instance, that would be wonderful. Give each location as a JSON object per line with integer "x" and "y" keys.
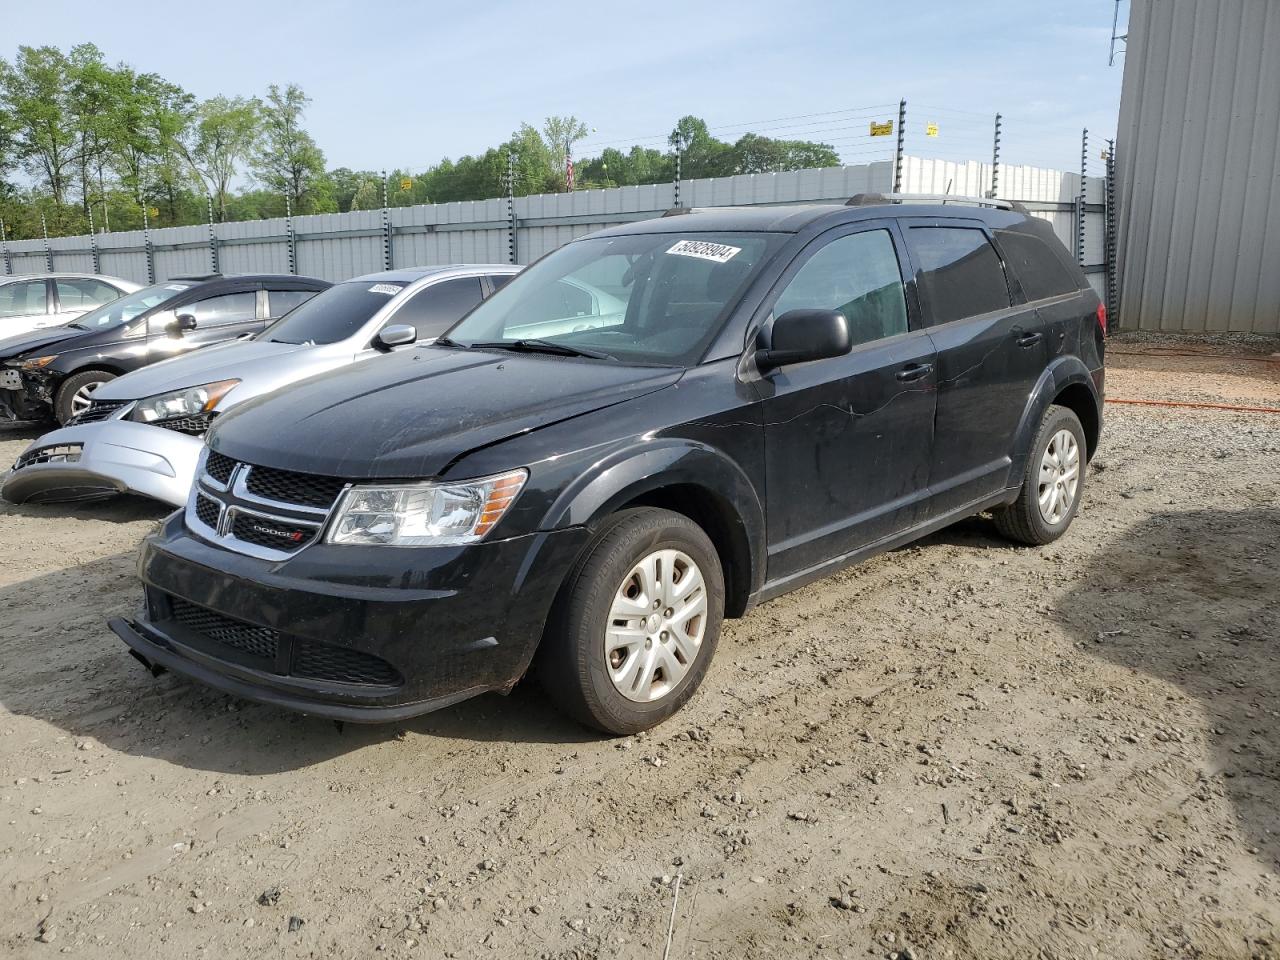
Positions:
{"x": 183, "y": 323}
{"x": 799, "y": 336}
{"x": 395, "y": 335}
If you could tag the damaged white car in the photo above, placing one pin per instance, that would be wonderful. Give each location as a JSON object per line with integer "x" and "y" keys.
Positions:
{"x": 141, "y": 433}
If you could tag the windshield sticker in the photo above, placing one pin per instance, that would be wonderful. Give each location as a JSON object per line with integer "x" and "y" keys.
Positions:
{"x": 705, "y": 250}
{"x": 390, "y": 289}
{"x": 178, "y": 287}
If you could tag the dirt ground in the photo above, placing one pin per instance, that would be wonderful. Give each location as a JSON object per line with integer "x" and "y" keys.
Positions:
{"x": 959, "y": 749}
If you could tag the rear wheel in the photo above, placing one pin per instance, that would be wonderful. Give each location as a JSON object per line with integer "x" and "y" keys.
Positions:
{"x": 1053, "y": 482}
{"x": 636, "y": 624}
{"x": 75, "y": 394}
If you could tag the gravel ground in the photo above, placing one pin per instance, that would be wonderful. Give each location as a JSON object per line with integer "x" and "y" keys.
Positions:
{"x": 959, "y": 749}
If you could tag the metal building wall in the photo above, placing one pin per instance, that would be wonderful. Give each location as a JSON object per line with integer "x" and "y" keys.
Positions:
{"x": 1198, "y": 167}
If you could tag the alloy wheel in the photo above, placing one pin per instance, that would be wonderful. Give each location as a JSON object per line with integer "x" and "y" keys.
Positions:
{"x": 1059, "y": 477}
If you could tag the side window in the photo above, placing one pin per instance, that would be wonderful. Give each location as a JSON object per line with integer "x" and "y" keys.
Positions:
{"x": 498, "y": 279}
{"x": 438, "y": 307}
{"x": 84, "y": 294}
{"x": 1040, "y": 270}
{"x": 857, "y": 275}
{"x": 960, "y": 272}
{"x": 22, "y": 299}
{"x": 219, "y": 311}
{"x": 280, "y": 302}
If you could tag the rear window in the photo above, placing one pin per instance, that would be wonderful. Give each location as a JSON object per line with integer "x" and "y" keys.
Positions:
{"x": 1036, "y": 265}
{"x": 960, "y": 273}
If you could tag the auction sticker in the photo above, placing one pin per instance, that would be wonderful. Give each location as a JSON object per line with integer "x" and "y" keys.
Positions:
{"x": 705, "y": 250}
{"x": 390, "y": 289}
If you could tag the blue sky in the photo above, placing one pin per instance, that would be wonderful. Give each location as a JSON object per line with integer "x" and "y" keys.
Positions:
{"x": 400, "y": 84}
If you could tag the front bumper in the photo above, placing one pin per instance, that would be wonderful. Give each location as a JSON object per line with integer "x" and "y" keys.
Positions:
{"x": 116, "y": 456}
{"x": 368, "y": 634}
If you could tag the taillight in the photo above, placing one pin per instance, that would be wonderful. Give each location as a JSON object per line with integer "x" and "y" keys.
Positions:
{"x": 1102, "y": 318}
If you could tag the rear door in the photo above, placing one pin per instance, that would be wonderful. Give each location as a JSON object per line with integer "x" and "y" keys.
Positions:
{"x": 848, "y": 440}
{"x": 24, "y": 306}
{"x": 990, "y": 349}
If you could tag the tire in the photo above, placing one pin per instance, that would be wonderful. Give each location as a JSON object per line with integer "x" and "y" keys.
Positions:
{"x": 65, "y": 401}
{"x": 1024, "y": 520}
{"x": 651, "y": 651}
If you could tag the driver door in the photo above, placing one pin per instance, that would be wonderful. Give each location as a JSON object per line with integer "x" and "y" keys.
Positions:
{"x": 224, "y": 316}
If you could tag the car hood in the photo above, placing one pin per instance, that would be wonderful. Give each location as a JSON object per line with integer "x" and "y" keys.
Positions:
{"x": 248, "y": 361}
{"x": 411, "y": 414}
{"x": 25, "y": 342}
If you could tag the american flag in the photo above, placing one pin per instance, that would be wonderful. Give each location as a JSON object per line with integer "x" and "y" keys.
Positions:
{"x": 568, "y": 170}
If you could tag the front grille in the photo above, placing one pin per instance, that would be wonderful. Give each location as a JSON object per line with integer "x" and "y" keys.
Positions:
{"x": 258, "y": 641}
{"x": 192, "y": 426}
{"x": 278, "y": 534}
{"x": 97, "y": 410}
{"x": 207, "y": 511}
{"x": 55, "y": 453}
{"x": 219, "y": 467}
{"x": 319, "y": 661}
{"x": 289, "y": 487}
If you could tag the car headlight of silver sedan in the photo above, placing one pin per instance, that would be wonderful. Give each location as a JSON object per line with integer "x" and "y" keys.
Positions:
{"x": 424, "y": 514}
{"x": 187, "y": 402}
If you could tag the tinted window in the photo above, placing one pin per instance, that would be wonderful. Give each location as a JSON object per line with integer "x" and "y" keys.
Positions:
{"x": 650, "y": 298}
{"x": 126, "y": 308}
{"x": 434, "y": 310}
{"x": 498, "y": 279}
{"x": 334, "y": 314}
{"x": 1035, "y": 264}
{"x": 228, "y": 308}
{"x": 84, "y": 294}
{"x": 959, "y": 272}
{"x": 280, "y": 302}
{"x": 857, "y": 275}
{"x": 22, "y": 299}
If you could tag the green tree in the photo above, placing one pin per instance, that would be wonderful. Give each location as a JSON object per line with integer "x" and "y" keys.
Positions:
{"x": 288, "y": 160}
{"x": 149, "y": 118}
{"x": 560, "y": 134}
{"x": 36, "y": 94}
{"x": 224, "y": 133}
{"x": 756, "y": 154}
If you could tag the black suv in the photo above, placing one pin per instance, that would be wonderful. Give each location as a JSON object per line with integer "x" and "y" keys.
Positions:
{"x": 55, "y": 369}
{"x": 651, "y": 428}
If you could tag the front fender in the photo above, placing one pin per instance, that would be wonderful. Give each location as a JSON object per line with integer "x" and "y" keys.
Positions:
{"x": 1063, "y": 372}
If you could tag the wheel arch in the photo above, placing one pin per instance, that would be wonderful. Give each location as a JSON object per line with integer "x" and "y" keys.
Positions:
{"x": 1066, "y": 381}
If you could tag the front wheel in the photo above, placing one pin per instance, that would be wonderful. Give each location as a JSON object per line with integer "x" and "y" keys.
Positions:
{"x": 76, "y": 393}
{"x": 1052, "y": 484}
{"x": 636, "y": 623}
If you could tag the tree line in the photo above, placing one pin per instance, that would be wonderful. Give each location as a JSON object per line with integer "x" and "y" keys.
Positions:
{"x": 85, "y": 141}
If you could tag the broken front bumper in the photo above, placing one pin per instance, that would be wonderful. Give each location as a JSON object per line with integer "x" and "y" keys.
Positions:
{"x": 100, "y": 459}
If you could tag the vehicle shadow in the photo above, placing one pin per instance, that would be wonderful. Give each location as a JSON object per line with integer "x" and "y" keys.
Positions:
{"x": 1193, "y": 599}
{"x": 124, "y": 508}
{"x": 64, "y": 667}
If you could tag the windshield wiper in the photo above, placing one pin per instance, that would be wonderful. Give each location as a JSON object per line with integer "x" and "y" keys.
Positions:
{"x": 542, "y": 346}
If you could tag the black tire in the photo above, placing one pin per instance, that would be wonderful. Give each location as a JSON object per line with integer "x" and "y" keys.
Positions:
{"x": 71, "y": 386}
{"x": 1022, "y": 521}
{"x": 572, "y": 664}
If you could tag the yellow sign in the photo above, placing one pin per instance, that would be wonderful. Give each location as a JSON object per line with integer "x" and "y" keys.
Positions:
{"x": 406, "y": 183}
{"x": 882, "y": 129}
{"x": 931, "y": 130}
{"x": 153, "y": 211}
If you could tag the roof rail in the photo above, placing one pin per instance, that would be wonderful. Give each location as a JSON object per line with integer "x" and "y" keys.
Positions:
{"x": 870, "y": 199}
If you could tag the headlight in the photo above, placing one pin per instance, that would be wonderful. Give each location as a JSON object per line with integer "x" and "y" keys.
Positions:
{"x": 35, "y": 363}
{"x": 181, "y": 403}
{"x": 424, "y": 514}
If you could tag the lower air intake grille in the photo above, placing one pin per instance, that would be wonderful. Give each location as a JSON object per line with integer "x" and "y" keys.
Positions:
{"x": 318, "y": 661}
{"x": 258, "y": 641}
{"x": 59, "y": 453}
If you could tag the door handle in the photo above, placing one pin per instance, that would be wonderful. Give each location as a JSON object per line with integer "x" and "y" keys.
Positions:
{"x": 914, "y": 371}
{"x": 1029, "y": 339}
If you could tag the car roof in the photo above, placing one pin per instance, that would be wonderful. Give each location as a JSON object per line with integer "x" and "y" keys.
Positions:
{"x": 798, "y": 217}
{"x": 61, "y": 275}
{"x": 410, "y": 274}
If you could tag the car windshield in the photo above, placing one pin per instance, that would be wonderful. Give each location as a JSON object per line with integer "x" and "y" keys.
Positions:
{"x": 333, "y": 314}
{"x": 642, "y": 298}
{"x": 119, "y": 312}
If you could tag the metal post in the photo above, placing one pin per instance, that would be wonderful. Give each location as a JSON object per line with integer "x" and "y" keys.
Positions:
{"x": 679, "y": 144}
{"x": 4, "y": 246}
{"x": 1084, "y": 172}
{"x": 48, "y": 251}
{"x": 512, "y": 246}
{"x": 1113, "y": 278}
{"x": 288, "y": 234}
{"x": 897, "y": 153}
{"x": 93, "y": 243}
{"x": 386, "y": 225}
{"x": 214, "y": 266}
{"x": 995, "y": 160}
{"x": 146, "y": 243}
